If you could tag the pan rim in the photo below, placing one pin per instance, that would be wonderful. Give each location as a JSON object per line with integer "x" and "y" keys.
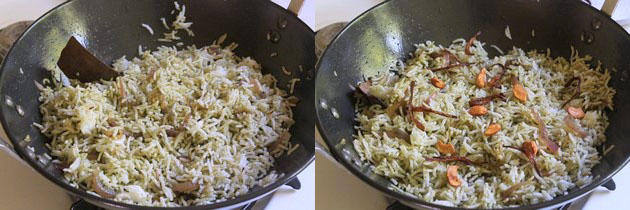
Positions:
{"x": 405, "y": 198}
{"x": 230, "y": 203}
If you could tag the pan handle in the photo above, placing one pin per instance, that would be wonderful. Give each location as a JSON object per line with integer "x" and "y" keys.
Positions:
{"x": 322, "y": 150}
{"x": 609, "y": 6}
{"x": 6, "y": 147}
{"x": 295, "y": 6}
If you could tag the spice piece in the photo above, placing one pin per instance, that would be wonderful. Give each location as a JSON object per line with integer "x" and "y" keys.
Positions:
{"x": 542, "y": 132}
{"x": 478, "y": 111}
{"x": 424, "y": 108}
{"x": 410, "y": 106}
{"x": 470, "y": 42}
{"x": 492, "y": 129}
{"x": 451, "y": 174}
{"x": 481, "y": 78}
{"x": 451, "y": 159}
{"x": 437, "y": 83}
{"x": 578, "y": 89}
{"x": 448, "y": 56}
{"x": 485, "y": 100}
{"x": 530, "y": 149}
{"x": 445, "y": 148}
{"x": 449, "y": 67}
{"x": 519, "y": 90}
{"x": 576, "y": 113}
{"x": 451, "y": 60}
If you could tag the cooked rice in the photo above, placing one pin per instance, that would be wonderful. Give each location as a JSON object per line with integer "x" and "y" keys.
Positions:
{"x": 164, "y": 23}
{"x": 228, "y": 119}
{"x": 148, "y": 28}
{"x": 285, "y": 71}
{"x": 292, "y": 83}
{"x": 498, "y": 49}
{"x": 178, "y": 24}
{"x": 533, "y": 33}
{"x": 404, "y": 163}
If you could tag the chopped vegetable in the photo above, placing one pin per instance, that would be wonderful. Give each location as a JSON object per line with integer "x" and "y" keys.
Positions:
{"x": 574, "y": 126}
{"x": 428, "y": 100}
{"x": 393, "y": 108}
{"x": 492, "y": 129}
{"x": 451, "y": 174}
{"x": 485, "y": 100}
{"x": 417, "y": 123}
{"x": 445, "y": 148}
{"x": 101, "y": 189}
{"x": 184, "y": 159}
{"x": 61, "y": 165}
{"x": 576, "y": 113}
{"x": 451, "y": 159}
{"x": 495, "y": 80}
{"x": 172, "y": 132}
{"x": 451, "y": 60}
{"x": 542, "y": 132}
{"x": 513, "y": 188}
{"x": 399, "y": 133}
{"x": 481, "y": 78}
{"x": 185, "y": 187}
{"x": 437, "y": 83}
{"x": 92, "y": 155}
{"x": 478, "y": 111}
{"x": 470, "y": 42}
{"x": 578, "y": 89}
{"x": 519, "y": 90}
{"x": 364, "y": 89}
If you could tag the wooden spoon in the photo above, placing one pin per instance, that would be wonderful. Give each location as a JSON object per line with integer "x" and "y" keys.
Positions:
{"x": 78, "y": 63}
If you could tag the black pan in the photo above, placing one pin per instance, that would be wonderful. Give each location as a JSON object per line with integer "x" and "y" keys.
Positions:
{"x": 111, "y": 29}
{"x": 374, "y": 41}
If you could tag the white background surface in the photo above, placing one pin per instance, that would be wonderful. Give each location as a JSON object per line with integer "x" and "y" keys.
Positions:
{"x": 23, "y": 188}
{"x": 333, "y": 181}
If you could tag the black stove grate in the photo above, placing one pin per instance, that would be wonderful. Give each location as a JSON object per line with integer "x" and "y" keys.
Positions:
{"x": 400, "y": 206}
{"x": 83, "y": 205}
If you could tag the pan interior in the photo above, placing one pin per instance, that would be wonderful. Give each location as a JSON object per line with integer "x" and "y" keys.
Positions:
{"x": 112, "y": 29}
{"x": 377, "y": 39}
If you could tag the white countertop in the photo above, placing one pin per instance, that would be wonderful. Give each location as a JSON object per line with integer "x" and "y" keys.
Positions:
{"x": 333, "y": 181}
{"x": 23, "y": 188}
